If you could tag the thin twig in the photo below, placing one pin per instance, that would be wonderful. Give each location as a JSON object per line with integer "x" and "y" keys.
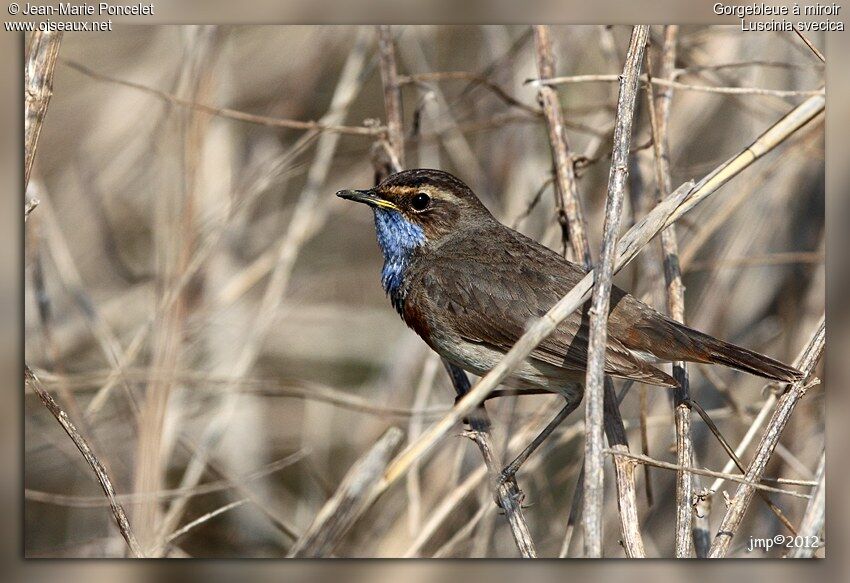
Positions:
{"x": 782, "y": 258}
{"x": 608, "y": 78}
{"x": 167, "y": 494}
{"x": 352, "y": 498}
{"x": 200, "y": 520}
{"x": 42, "y": 52}
{"x": 784, "y": 408}
{"x": 90, "y": 457}
{"x": 731, "y": 453}
{"x": 704, "y": 472}
{"x": 474, "y": 80}
{"x": 273, "y": 122}
{"x": 295, "y": 388}
{"x": 811, "y": 45}
{"x": 594, "y": 390}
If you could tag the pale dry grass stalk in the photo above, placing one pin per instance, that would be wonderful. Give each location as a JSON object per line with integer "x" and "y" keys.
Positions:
{"x": 350, "y": 501}
{"x": 174, "y": 243}
{"x": 573, "y": 232}
{"x": 598, "y": 327}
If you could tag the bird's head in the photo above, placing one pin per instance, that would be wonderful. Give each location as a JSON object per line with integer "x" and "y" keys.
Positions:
{"x": 418, "y": 207}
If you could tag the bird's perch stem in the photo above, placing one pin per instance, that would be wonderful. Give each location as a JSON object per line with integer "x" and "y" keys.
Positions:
{"x": 570, "y": 215}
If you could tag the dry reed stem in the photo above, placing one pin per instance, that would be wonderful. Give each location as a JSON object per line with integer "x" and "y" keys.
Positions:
{"x": 507, "y": 493}
{"x": 567, "y": 202}
{"x": 598, "y": 327}
{"x": 42, "y": 52}
{"x": 392, "y": 92}
{"x": 659, "y": 115}
{"x": 573, "y": 231}
{"x": 38, "y": 89}
{"x": 174, "y": 242}
{"x": 90, "y": 457}
{"x": 784, "y": 408}
{"x": 350, "y": 501}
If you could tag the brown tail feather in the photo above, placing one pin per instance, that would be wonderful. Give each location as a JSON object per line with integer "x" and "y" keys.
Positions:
{"x": 669, "y": 340}
{"x": 712, "y": 350}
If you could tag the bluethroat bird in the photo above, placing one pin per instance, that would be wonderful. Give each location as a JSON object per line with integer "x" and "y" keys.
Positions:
{"x": 468, "y": 286}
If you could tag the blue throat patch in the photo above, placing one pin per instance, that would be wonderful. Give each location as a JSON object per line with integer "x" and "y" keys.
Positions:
{"x": 398, "y": 239}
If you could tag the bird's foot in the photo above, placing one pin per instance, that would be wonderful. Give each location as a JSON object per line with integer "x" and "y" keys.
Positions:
{"x": 507, "y": 474}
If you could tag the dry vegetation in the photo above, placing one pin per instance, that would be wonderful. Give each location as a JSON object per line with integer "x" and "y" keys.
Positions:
{"x": 205, "y": 318}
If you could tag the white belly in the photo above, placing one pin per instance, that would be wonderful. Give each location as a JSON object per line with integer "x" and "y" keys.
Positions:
{"x": 532, "y": 374}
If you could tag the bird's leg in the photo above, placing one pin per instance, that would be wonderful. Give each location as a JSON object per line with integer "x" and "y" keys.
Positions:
{"x": 511, "y": 469}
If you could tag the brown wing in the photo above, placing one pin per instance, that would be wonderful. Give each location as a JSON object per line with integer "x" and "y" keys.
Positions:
{"x": 487, "y": 289}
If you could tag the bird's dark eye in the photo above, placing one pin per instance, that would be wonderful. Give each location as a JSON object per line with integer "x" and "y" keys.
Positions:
{"x": 420, "y": 202}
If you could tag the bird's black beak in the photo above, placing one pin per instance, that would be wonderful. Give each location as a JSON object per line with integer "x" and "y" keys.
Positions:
{"x": 369, "y": 197}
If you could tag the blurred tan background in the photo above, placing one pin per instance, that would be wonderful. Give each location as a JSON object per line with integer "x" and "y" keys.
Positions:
{"x": 206, "y": 259}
